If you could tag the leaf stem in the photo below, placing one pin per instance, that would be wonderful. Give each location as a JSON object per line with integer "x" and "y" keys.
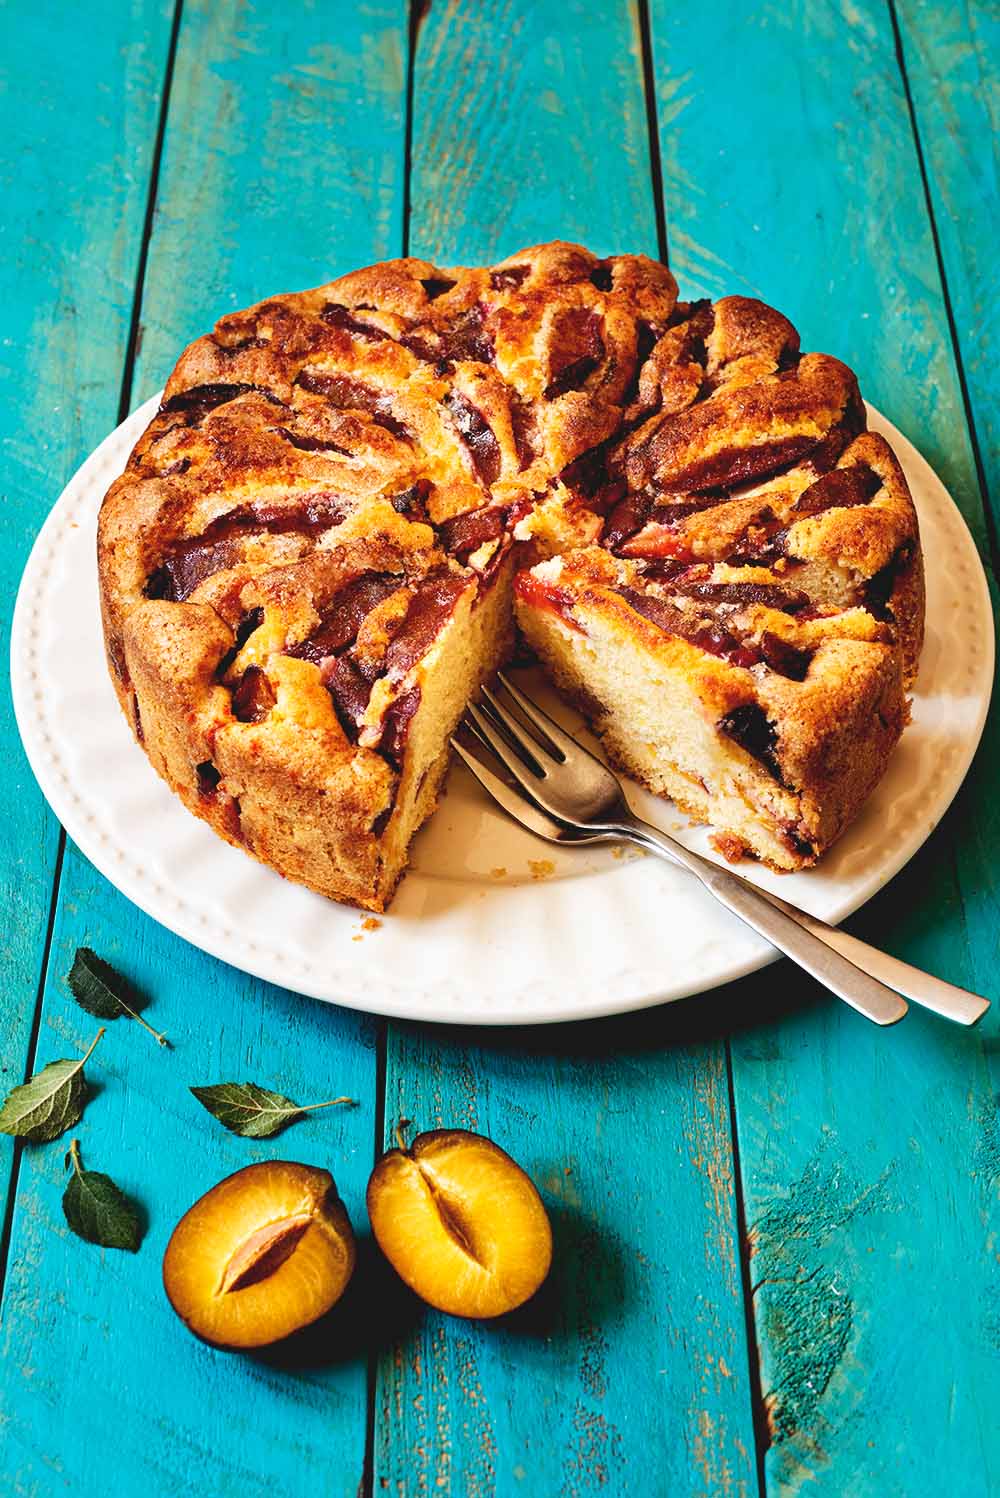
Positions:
{"x": 157, "y": 1035}
{"x": 308, "y": 1107}
{"x": 74, "y": 1156}
{"x": 87, "y": 1055}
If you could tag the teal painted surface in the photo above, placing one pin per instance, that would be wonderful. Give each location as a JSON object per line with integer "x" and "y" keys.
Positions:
{"x": 868, "y": 1176}
{"x": 628, "y": 1137}
{"x": 259, "y": 100}
{"x": 70, "y": 229}
{"x": 868, "y": 1160}
{"x": 952, "y": 56}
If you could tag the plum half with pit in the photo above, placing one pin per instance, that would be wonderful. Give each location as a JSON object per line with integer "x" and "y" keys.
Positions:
{"x": 461, "y": 1223}
{"x": 263, "y": 1254}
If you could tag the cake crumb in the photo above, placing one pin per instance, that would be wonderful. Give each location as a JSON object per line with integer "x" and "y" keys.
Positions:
{"x": 370, "y": 923}
{"x": 541, "y": 868}
{"x": 500, "y": 873}
{"x": 359, "y": 937}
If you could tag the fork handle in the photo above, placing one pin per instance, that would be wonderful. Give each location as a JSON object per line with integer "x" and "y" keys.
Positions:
{"x": 946, "y": 999}
{"x": 864, "y": 993}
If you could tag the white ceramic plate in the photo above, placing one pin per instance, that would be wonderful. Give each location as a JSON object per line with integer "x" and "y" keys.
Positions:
{"x": 490, "y": 926}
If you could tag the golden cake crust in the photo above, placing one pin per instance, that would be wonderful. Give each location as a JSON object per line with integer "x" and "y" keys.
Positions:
{"x": 306, "y": 567}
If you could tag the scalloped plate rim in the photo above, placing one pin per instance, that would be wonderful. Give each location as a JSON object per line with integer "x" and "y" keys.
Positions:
{"x": 48, "y": 759}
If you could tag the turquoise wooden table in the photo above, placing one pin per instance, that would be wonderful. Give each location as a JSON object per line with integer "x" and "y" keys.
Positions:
{"x": 776, "y": 1226}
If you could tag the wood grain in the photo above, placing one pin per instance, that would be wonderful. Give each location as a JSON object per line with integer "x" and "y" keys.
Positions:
{"x": 73, "y": 211}
{"x": 791, "y": 172}
{"x": 952, "y": 60}
{"x": 629, "y": 1374}
{"x": 278, "y": 120}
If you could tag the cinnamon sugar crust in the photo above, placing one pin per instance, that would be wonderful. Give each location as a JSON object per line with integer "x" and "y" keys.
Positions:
{"x": 307, "y": 567}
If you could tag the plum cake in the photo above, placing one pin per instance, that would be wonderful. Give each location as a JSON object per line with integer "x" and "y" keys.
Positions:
{"x": 352, "y": 499}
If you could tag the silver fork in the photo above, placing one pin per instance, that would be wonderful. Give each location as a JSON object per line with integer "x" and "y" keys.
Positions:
{"x": 566, "y": 795}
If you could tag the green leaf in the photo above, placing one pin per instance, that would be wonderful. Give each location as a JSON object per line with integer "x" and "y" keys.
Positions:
{"x": 50, "y": 1102}
{"x": 97, "y": 988}
{"x": 97, "y": 1210}
{"x": 252, "y": 1111}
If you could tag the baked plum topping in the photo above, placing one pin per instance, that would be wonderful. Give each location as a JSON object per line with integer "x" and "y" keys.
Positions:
{"x": 346, "y": 394}
{"x": 201, "y": 399}
{"x": 208, "y": 778}
{"x": 436, "y": 286}
{"x": 413, "y": 502}
{"x": 538, "y": 594}
{"x": 577, "y": 351}
{"x": 468, "y": 338}
{"x": 737, "y": 465}
{"x": 253, "y": 696}
{"x": 745, "y": 594}
{"x": 462, "y": 534}
{"x": 338, "y": 316}
{"x": 191, "y": 559}
{"x": 312, "y": 444}
{"x": 187, "y": 564}
{"x": 522, "y": 422}
{"x": 344, "y": 615}
{"x": 396, "y": 726}
{"x": 588, "y": 473}
{"x": 510, "y": 278}
{"x": 786, "y": 660}
{"x": 626, "y": 519}
{"x": 432, "y": 604}
{"x": 708, "y": 636}
{"x": 350, "y": 688}
{"x": 841, "y": 488}
{"x": 750, "y": 727}
{"x": 477, "y": 435}
{"x": 664, "y": 569}
{"x": 601, "y": 276}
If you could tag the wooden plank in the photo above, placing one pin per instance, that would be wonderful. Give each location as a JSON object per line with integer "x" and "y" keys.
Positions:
{"x": 72, "y": 223}
{"x": 791, "y": 173}
{"x": 630, "y": 1373}
{"x": 279, "y": 117}
{"x": 952, "y": 60}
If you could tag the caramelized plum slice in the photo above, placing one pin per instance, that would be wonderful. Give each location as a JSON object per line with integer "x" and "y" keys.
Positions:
{"x": 350, "y": 687}
{"x": 200, "y": 399}
{"x": 577, "y": 351}
{"x": 346, "y": 394}
{"x": 750, "y": 727}
{"x": 189, "y": 560}
{"x": 264, "y": 1253}
{"x": 745, "y": 594}
{"x": 477, "y": 435}
{"x": 396, "y": 726}
{"x": 462, "y": 534}
{"x": 509, "y": 278}
{"x": 344, "y": 614}
{"x": 468, "y": 338}
{"x": 461, "y": 1223}
{"x": 312, "y": 444}
{"x": 413, "y": 502}
{"x": 339, "y": 316}
{"x": 433, "y": 602}
{"x": 253, "y": 696}
{"x": 707, "y": 635}
{"x": 841, "y": 488}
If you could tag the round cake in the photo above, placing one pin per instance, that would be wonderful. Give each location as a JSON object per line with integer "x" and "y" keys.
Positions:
{"x": 353, "y": 498}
